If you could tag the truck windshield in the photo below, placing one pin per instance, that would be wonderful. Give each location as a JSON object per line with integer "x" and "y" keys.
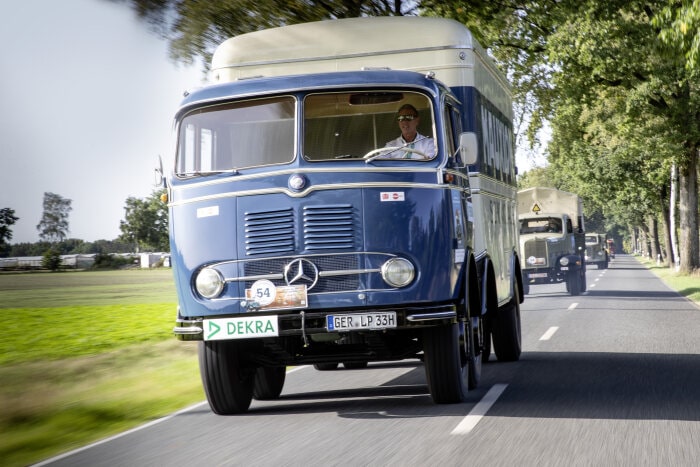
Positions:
{"x": 337, "y": 126}
{"x": 540, "y": 225}
{"x": 368, "y": 125}
{"x": 233, "y": 136}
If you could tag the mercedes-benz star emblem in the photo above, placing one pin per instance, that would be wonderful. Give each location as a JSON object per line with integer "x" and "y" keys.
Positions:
{"x": 301, "y": 271}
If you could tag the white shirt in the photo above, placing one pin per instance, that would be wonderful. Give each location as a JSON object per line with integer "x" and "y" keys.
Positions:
{"x": 421, "y": 143}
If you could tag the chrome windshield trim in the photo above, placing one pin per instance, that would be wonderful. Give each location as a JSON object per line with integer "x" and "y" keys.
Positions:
{"x": 311, "y": 189}
{"x": 333, "y": 170}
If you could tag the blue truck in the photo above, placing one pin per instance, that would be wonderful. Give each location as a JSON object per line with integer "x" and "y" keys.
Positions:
{"x": 307, "y": 227}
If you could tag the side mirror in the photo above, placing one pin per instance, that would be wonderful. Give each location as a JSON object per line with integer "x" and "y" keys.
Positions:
{"x": 469, "y": 148}
{"x": 159, "y": 177}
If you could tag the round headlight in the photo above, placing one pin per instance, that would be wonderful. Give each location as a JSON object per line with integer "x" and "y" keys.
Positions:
{"x": 564, "y": 261}
{"x": 209, "y": 283}
{"x": 398, "y": 272}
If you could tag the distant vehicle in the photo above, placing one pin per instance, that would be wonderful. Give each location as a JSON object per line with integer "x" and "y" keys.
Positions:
{"x": 299, "y": 237}
{"x": 611, "y": 248}
{"x": 552, "y": 238}
{"x": 596, "y": 250}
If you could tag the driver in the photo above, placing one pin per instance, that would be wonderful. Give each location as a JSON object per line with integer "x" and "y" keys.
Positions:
{"x": 410, "y": 138}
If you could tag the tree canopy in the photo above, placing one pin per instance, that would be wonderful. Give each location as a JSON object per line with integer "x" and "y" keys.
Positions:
{"x": 617, "y": 80}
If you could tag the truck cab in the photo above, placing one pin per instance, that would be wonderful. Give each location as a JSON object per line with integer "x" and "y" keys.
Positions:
{"x": 596, "y": 250}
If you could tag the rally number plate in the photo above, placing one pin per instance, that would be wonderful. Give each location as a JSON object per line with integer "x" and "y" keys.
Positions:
{"x": 358, "y": 321}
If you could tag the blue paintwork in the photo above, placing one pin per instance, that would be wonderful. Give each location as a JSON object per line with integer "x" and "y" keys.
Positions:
{"x": 421, "y": 228}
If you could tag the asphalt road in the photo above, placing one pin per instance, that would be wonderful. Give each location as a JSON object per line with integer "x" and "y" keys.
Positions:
{"x": 609, "y": 377}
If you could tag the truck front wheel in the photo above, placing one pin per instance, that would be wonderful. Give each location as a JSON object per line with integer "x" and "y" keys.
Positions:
{"x": 573, "y": 282}
{"x": 269, "y": 382}
{"x": 446, "y": 365}
{"x": 506, "y": 330}
{"x": 227, "y": 383}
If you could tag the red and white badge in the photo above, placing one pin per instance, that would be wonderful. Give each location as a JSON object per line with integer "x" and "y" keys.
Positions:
{"x": 392, "y": 196}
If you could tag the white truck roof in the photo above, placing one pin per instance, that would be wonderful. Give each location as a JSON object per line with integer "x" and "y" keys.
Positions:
{"x": 420, "y": 44}
{"x": 544, "y": 201}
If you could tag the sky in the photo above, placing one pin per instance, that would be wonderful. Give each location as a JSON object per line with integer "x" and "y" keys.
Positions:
{"x": 88, "y": 96}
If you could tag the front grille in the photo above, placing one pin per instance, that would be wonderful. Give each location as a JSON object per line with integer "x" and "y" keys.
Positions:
{"x": 331, "y": 263}
{"x": 538, "y": 248}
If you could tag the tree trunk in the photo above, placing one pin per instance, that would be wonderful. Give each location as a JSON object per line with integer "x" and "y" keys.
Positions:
{"x": 655, "y": 251}
{"x": 688, "y": 212}
{"x": 675, "y": 261}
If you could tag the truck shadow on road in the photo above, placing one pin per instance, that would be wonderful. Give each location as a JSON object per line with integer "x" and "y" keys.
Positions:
{"x": 622, "y": 386}
{"x": 601, "y": 386}
{"x": 405, "y": 396}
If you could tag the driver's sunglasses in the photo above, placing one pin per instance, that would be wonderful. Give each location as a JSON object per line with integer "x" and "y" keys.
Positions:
{"x": 401, "y": 118}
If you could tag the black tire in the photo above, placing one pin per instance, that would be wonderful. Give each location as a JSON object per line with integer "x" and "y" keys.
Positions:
{"x": 355, "y": 365}
{"x": 505, "y": 330}
{"x": 325, "y": 366}
{"x": 228, "y": 384}
{"x": 446, "y": 371}
{"x": 474, "y": 349}
{"x": 486, "y": 350}
{"x": 573, "y": 282}
{"x": 268, "y": 382}
{"x": 526, "y": 288}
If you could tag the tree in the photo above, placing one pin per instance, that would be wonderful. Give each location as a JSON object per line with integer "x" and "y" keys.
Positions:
{"x": 145, "y": 223}
{"x": 7, "y": 219}
{"x": 195, "y": 28}
{"x": 54, "y": 221}
{"x": 582, "y": 50}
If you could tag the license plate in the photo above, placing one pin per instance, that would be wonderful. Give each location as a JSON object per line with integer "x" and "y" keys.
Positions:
{"x": 245, "y": 327}
{"x": 357, "y": 321}
{"x": 565, "y": 268}
{"x": 537, "y": 274}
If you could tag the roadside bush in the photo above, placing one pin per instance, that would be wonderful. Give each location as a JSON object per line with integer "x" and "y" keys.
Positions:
{"x": 108, "y": 261}
{"x": 51, "y": 260}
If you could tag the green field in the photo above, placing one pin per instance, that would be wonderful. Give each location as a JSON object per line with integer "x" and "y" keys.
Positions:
{"x": 85, "y": 355}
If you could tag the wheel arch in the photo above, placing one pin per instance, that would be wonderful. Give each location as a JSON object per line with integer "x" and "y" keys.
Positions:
{"x": 471, "y": 279}
{"x": 517, "y": 275}
{"x": 489, "y": 292}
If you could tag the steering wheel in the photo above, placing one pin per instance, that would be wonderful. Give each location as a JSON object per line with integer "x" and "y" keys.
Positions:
{"x": 377, "y": 153}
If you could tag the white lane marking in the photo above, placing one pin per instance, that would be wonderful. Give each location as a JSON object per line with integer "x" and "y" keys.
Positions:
{"x": 596, "y": 279}
{"x": 572, "y": 306}
{"x": 550, "y": 332}
{"x": 477, "y": 413}
{"x": 592, "y": 285}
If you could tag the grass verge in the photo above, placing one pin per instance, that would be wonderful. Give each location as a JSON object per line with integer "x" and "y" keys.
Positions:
{"x": 87, "y": 355}
{"x": 687, "y": 285}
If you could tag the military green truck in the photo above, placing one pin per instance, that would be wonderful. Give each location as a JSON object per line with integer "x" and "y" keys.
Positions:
{"x": 596, "y": 252}
{"x": 552, "y": 238}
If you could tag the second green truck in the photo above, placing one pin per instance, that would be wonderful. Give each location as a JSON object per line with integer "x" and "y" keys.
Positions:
{"x": 552, "y": 238}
